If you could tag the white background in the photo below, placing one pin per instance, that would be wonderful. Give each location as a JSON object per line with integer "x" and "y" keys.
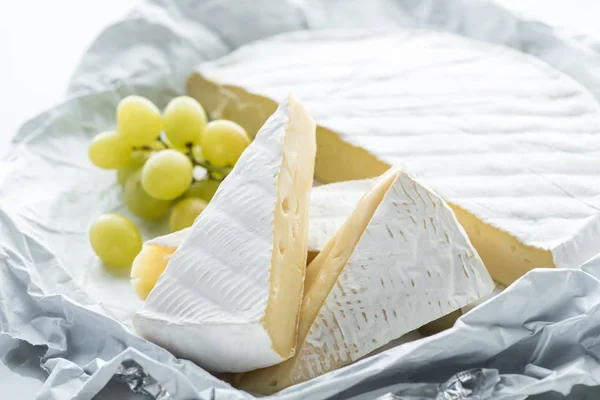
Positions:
{"x": 41, "y": 42}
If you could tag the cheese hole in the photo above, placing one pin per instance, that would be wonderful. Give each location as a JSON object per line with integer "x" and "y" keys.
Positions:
{"x": 281, "y": 248}
{"x": 513, "y": 247}
{"x": 273, "y": 383}
{"x": 285, "y": 205}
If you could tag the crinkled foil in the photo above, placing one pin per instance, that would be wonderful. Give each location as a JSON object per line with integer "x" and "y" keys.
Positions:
{"x": 133, "y": 375}
{"x": 539, "y": 335}
{"x": 473, "y": 384}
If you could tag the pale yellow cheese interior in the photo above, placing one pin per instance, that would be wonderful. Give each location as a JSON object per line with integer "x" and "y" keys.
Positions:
{"x": 147, "y": 267}
{"x": 505, "y": 257}
{"x": 290, "y": 245}
{"x": 321, "y": 276}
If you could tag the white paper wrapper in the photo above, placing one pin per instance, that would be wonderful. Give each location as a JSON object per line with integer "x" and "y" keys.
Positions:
{"x": 537, "y": 336}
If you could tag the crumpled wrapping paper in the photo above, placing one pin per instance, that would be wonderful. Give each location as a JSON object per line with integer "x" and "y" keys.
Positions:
{"x": 541, "y": 335}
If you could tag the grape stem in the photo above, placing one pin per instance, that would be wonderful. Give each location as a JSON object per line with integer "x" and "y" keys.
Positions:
{"x": 143, "y": 148}
{"x": 150, "y": 148}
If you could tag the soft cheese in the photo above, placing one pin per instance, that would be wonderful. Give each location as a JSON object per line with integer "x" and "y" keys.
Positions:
{"x": 230, "y": 296}
{"x": 398, "y": 262}
{"x": 511, "y": 143}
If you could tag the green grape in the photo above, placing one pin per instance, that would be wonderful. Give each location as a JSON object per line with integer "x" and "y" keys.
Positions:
{"x": 138, "y": 158}
{"x": 115, "y": 240}
{"x": 204, "y": 189}
{"x": 141, "y": 203}
{"x": 223, "y": 142}
{"x": 167, "y": 175}
{"x": 197, "y": 155}
{"x": 184, "y": 121}
{"x": 139, "y": 120}
{"x": 108, "y": 150}
{"x": 185, "y": 212}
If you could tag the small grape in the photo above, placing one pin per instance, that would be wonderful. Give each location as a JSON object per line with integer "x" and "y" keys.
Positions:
{"x": 139, "y": 120}
{"x": 167, "y": 175}
{"x": 141, "y": 203}
{"x": 204, "y": 189}
{"x": 185, "y": 212}
{"x": 223, "y": 142}
{"x": 184, "y": 121}
{"x": 138, "y": 158}
{"x": 108, "y": 150}
{"x": 115, "y": 240}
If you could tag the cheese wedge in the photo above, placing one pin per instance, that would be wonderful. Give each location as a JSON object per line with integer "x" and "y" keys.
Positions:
{"x": 230, "y": 296}
{"x": 399, "y": 261}
{"x": 509, "y": 142}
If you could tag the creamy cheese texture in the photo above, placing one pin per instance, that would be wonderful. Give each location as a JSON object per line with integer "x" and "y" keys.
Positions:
{"x": 398, "y": 262}
{"x": 230, "y": 296}
{"x": 512, "y": 144}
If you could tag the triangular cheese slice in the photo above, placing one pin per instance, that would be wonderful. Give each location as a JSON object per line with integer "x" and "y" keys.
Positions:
{"x": 230, "y": 296}
{"x": 400, "y": 261}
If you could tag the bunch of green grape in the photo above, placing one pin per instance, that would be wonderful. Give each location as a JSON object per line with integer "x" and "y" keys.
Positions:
{"x": 155, "y": 156}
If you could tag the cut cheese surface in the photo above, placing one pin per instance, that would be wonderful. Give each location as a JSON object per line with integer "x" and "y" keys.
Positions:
{"x": 509, "y": 142}
{"x": 230, "y": 296}
{"x": 399, "y": 261}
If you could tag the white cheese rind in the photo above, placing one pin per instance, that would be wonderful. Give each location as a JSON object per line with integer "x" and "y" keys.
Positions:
{"x": 172, "y": 240}
{"x": 210, "y": 302}
{"x": 207, "y": 344}
{"x": 412, "y": 264}
{"x": 494, "y": 131}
